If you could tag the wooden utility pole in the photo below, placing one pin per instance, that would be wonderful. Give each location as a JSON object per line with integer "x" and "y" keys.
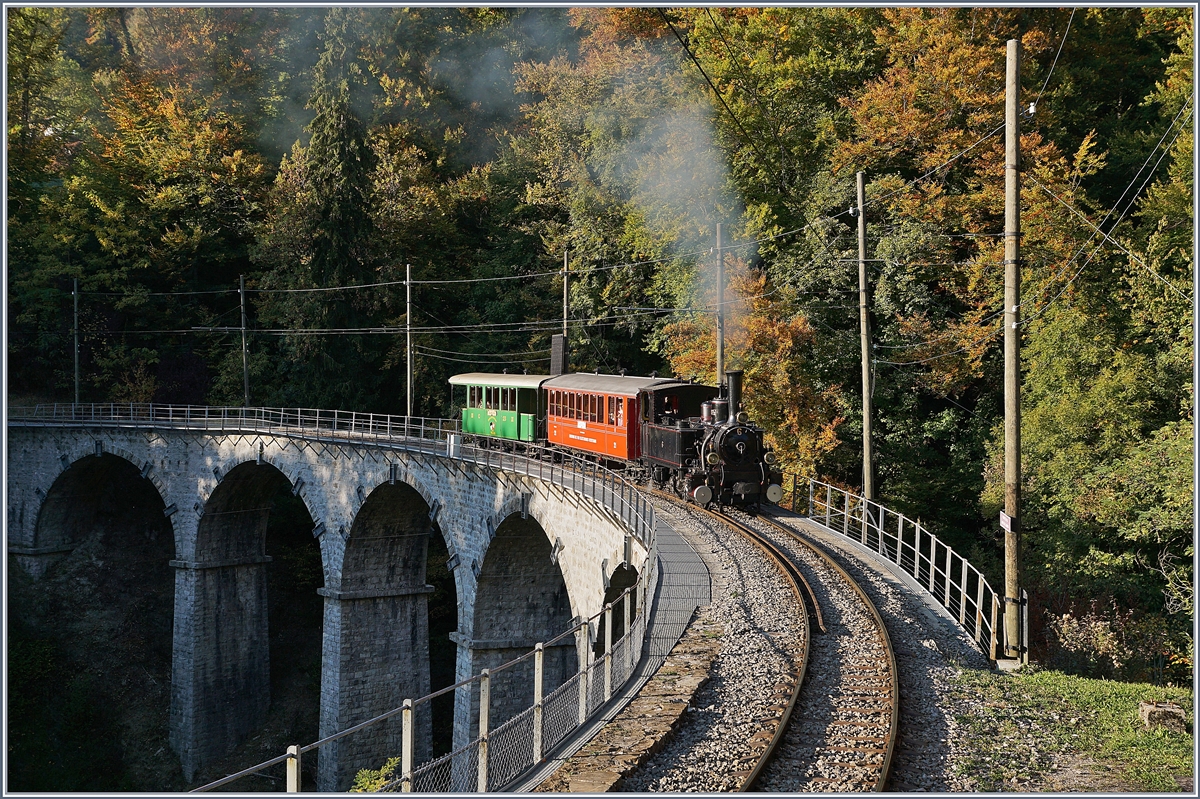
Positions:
{"x": 75, "y": 294}
{"x": 721, "y": 310}
{"x": 408, "y": 358}
{"x": 245, "y": 355}
{"x": 1010, "y": 520}
{"x": 864, "y": 326}
{"x": 566, "y": 268}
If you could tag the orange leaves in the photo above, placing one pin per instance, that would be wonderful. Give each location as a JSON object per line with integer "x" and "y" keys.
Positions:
{"x": 772, "y": 345}
{"x": 608, "y": 27}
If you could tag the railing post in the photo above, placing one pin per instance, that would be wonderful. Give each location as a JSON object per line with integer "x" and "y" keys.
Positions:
{"x": 584, "y": 670}
{"x": 978, "y": 607}
{"x": 608, "y": 642}
{"x": 539, "y": 671}
{"x": 933, "y": 542}
{"x": 1024, "y": 631}
{"x": 865, "y": 505}
{"x": 293, "y": 769}
{"x": 917, "y": 552}
{"x": 846, "y": 515}
{"x": 962, "y": 595}
{"x": 828, "y": 504}
{"x": 992, "y": 649}
{"x": 406, "y": 748}
{"x": 810, "y": 495}
{"x": 948, "y": 567}
{"x": 485, "y": 692}
{"x": 643, "y": 580}
{"x": 628, "y": 608}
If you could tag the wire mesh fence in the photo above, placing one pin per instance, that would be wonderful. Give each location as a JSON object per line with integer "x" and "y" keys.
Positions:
{"x": 561, "y": 712}
{"x": 498, "y": 754}
{"x": 510, "y": 748}
{"x": 457, "y": 772}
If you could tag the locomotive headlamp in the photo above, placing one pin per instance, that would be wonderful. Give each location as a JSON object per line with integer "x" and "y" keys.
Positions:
{"x": 712, "y": 459}
{"x": 743, "y": 417}
{"x": 769, "y": 458}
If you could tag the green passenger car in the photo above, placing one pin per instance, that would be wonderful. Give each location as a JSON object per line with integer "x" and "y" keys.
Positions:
{"x": 501, "y": 406}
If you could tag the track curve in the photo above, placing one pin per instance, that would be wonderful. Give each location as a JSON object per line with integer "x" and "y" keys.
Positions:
{"x": 860, "y": 708}
{"x": 850, "y": 733}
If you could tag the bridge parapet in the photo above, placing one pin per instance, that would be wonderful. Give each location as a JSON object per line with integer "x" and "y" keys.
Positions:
{"x": 409, "y": 433}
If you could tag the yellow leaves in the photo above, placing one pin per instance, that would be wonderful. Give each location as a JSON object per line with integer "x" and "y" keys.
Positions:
{"x": 1087, "y": 161}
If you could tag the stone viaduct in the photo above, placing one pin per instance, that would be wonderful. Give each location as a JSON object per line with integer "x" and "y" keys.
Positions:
{"x": 528, "y": 554}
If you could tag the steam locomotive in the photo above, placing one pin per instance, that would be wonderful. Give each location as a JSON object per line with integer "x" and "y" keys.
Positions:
{"x": 691, "y": 438}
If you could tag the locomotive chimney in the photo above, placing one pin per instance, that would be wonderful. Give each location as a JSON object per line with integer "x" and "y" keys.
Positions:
{"x": 734, "y": 378}
{"x": 558, "y": 354}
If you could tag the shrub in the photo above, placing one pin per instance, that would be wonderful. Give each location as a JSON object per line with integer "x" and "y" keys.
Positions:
{"x": 372, "y": 781}
{"x": 1107, "y": 642}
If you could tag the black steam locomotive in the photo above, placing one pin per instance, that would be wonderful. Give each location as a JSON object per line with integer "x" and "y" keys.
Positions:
{"x": 705, "y": 447}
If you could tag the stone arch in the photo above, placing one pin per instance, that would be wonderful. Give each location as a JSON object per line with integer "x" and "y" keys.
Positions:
{"x": 521, "y": 599}
{"x": 380, "y": 613}
{"x": 222, "y": 680}
{"x": 101, "y": 611}
{"x": 81, "y": 490}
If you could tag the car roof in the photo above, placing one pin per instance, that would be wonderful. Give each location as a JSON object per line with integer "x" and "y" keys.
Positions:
{"x": 489, "y": 379}
{"x": 607, "y": 384}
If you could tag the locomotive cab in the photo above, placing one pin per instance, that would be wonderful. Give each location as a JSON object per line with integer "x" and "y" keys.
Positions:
{"x": 671, "y": 426}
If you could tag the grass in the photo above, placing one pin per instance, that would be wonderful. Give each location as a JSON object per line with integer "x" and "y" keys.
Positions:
{"x": 1021, "y": 725}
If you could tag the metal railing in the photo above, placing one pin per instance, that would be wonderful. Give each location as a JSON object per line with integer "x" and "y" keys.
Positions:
{"x": 943, "y": 574}
{"x": 349, "y": 424}
{"x": 494, "y": 757}
{"x": 431, "y": 436}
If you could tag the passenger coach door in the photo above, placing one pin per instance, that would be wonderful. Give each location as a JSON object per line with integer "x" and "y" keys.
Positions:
{"x": 634, "y": 409}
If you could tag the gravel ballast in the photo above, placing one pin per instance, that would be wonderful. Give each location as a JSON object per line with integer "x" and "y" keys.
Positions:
{"x": 731, "y": 717}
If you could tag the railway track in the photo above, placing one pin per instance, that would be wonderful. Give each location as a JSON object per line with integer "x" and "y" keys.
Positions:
{"x": 845, "y": 735}
{"x": 807, "y": 600}
{"x": 835, "y": 730}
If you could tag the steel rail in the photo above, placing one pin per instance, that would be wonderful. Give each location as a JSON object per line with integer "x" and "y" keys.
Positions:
{"x": 800, "y": 588}
{"x": 890, "y": 744}
{"x": 793, "y": 575}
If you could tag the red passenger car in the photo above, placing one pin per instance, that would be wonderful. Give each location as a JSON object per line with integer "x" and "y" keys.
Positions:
{"x": 597, "y": 413}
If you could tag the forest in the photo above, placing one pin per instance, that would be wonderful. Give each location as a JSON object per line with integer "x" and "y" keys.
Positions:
{"x": 158, "y": 156}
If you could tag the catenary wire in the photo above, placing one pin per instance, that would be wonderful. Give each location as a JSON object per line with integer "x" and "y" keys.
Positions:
{"x": 774, "y": 129}
{"x": 708, "y": 80}
{"x": 1046, "y": 82}
{"x": 486, "y": 354}
{"x": 1109, "y": 238}
{"x": 1042, "y": 310}
{"x": 1107, "y": 216}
